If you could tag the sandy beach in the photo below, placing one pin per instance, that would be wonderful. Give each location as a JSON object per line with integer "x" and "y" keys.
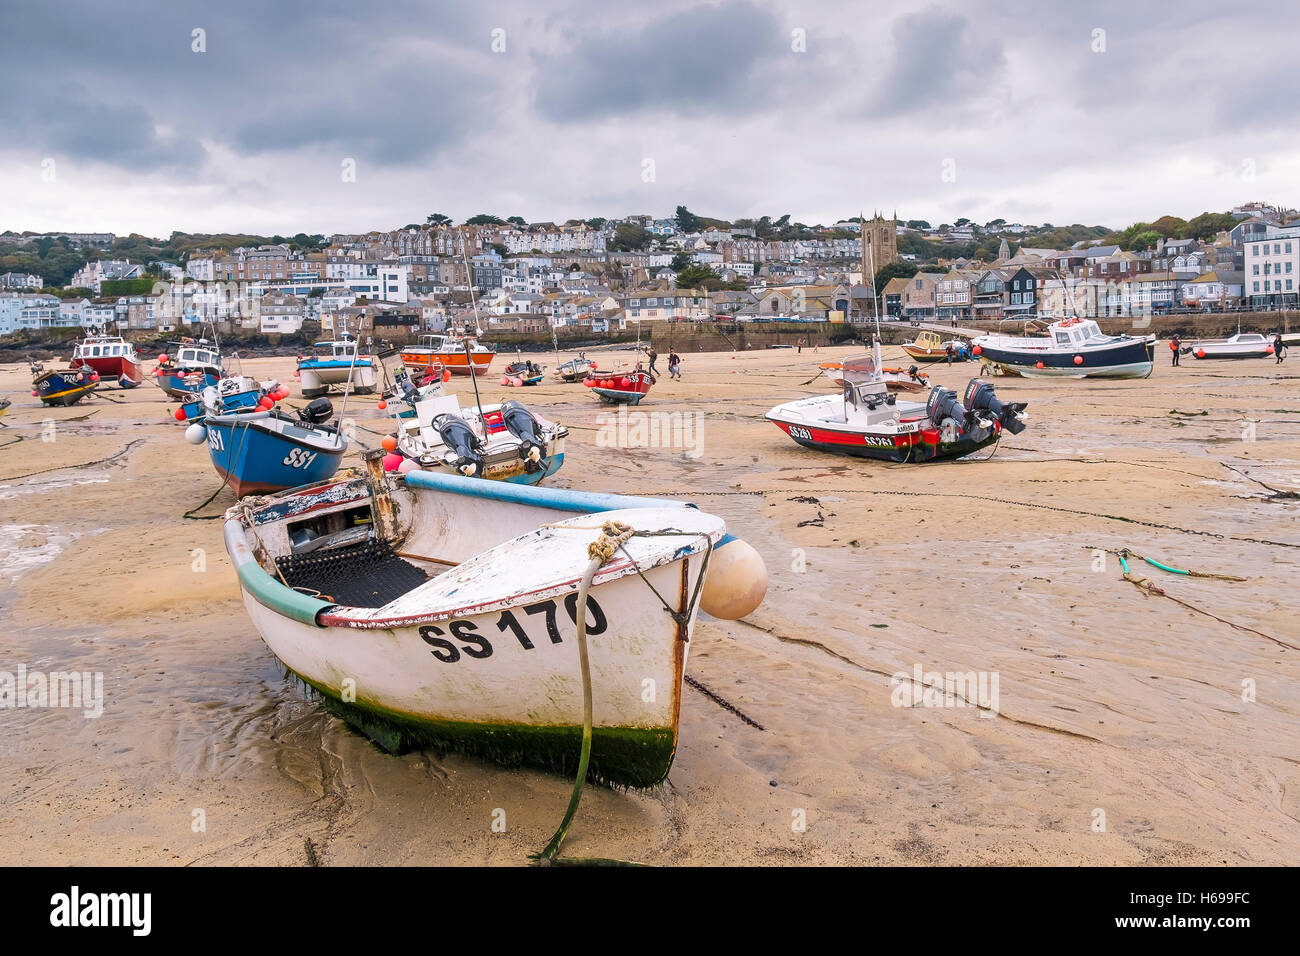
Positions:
{"x": 1174, "y": 731}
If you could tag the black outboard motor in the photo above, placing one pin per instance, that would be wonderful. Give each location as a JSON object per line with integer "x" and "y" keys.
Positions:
{"x": 944, "y": 404}
{"x": 980, "y": 397}
{"x": 316, "y": 412}
{"x": 525, "y": 426}
{"x": 464, "y": 450}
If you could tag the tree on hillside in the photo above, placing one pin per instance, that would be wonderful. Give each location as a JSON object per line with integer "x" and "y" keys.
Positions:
{"x": 1170, "y": 226}
{"x": 687, "y": 221}
{"x": 1146, "y": 239}
{"x": 596, "y": 222}
{"x": 680, "y": 261}
{"x": 484, "y": 219}
{"x": 1208, "y": 224}
{"x": 630, "y": 238}
{"x": 893, "y": 270}
{"x": 517, "y": 220}
{"x": 437, "y": 219}
{"x": 696, "y": 276}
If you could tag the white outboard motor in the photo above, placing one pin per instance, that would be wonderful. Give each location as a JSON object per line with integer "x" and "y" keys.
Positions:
{"x": 524, "y": 425}
{"x": 464, "y": 450}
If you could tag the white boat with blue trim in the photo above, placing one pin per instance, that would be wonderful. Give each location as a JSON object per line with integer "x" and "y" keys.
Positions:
{"x": 439, "y": 610}
{"x": 1072, "y": 348}
{"x": 336, "y": 363}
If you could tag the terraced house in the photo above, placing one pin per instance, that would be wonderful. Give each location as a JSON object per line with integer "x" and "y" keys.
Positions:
{"x": 680, "y": 305}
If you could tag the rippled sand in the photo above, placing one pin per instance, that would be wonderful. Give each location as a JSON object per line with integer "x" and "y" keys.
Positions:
{"x": 1122, "y": 735}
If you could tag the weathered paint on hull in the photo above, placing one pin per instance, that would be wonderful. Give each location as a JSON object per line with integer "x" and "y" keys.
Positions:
{"x": 511, "y": 690}
{"x": 126, "y": 373}
{"x": 458, "y": 363}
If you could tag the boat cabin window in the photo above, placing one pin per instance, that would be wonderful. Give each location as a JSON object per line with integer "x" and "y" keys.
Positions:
{"x": 1062, "y": 338}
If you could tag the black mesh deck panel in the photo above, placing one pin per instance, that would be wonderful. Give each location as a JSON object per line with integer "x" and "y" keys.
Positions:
{"x": 368, "y": 575}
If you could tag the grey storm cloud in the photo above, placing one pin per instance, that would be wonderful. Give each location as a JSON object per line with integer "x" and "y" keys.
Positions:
{"x": 938, "y": 60}
{"x": 698, "y": 59}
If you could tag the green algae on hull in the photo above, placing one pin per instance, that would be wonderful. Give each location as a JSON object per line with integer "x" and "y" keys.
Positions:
{"x": 634, "y": 757}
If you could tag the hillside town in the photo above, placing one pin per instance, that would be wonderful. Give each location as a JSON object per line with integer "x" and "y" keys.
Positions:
{"x": 600, "y": 276}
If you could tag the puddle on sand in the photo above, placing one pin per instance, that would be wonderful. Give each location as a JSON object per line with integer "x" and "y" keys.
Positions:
{"x": 41, "y": 486}
{"x": 25, "y": 547}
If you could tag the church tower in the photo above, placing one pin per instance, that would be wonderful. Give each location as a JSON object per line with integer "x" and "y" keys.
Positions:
{"x": 880, "y": 240}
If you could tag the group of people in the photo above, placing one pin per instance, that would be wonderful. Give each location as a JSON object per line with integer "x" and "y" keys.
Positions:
{"x": 674, "y": 363}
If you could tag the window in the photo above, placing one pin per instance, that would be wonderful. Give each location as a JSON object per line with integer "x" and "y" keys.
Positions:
{"x": 1288, "y": 285}
{"x": 1255, "y": 269}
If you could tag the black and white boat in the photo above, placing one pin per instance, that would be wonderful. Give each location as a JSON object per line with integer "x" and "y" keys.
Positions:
{"x": 1072, "y": 348}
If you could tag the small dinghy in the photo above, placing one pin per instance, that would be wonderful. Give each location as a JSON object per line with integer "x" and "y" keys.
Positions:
{"x": 574, "y": 370}
{"x": 928, "y": 347}
{"x": 859, "y": 371}
{"x": 4, "y": 407}
{"x": 868, "y": 421}
{"x": 621, "y": 387}
{"x": 521, "y": 373}
{"x": 65, "y": 387}
{"x": 1240, "y": 346}
{"x": 441, "y": 611}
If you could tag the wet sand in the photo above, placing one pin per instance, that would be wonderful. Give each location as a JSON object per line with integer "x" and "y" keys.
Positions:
{"x": 1111, "y": 702}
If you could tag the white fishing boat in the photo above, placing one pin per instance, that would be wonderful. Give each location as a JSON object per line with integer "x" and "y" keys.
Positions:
{"x": 336, "y": 363}
{"x": 438, "y": 610}
{"x": 1072, "y": 348}
{"x": 1239, "y": 346}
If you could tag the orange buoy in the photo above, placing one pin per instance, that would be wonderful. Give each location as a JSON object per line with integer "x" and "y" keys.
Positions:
{"x": 1200, "y": 353}
{"x": 382, "y": 404}
{"x": 388, "y": 443}
{"x": 1039, "y": 365}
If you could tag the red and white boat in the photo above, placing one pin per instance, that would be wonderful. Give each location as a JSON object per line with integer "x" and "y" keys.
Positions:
{"x": 620, "y": 388}
{"x": 868, "y": 421}
{"x": 112, "y": 357}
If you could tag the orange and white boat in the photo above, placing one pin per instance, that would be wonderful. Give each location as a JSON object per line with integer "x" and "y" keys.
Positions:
{"x": 457, "y": 353}
{"x": 851, "y": 371}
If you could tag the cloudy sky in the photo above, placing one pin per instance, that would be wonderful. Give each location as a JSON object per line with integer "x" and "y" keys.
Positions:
{"x": 340, "y": 116}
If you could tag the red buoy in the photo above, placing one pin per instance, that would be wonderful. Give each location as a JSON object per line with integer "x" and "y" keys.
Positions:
{"x": 977, "y": 350}
{"x": 1078, "y": 360}
{"x": 1200, "y": 353}
{"x": 624, "y": 382}
{"x": 382, "y": 404}
{"x": 162, "y": 357}
{"x": 1039, "y": 365}
{"x": 446, "y": 375}
{"x": 179, "y": 414}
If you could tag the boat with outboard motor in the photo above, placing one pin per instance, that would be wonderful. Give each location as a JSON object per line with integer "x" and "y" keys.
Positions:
{"x": 435, "y": 610}
{"x": 112, "y": 357}
{"x": 523, "y": 372}
{"x": 254, "y": 446}
{"x": 910, "y": 379}
{"x": 1072, "y": 348}
{"x": 574, "y": 370}
{"x": 868, "y": 421}
{"x": 620, "y": 387}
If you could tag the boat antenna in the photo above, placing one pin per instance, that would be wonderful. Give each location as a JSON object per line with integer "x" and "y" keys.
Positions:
{"x": 473, "y": 378}
{"x": 469, "y": 275}
{"x": 347, "y": 389}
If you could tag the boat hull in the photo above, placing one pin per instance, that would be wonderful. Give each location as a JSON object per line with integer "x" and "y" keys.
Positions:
{"x": 54, "y": 389}
{"x": 457, "y": 362}
{"x": 254, "y": 457}
{"x": 317, "y": 378}
{"x": 925, "y": 355}
{"x": 921, "y": 445}
{"x": 124, "y": 371}
{"x": 179, "y": 385}
{"x": 1231, "y": 352}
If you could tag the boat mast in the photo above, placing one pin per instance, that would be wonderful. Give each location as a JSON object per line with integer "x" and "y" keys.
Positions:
{"x": 469, "y": 276}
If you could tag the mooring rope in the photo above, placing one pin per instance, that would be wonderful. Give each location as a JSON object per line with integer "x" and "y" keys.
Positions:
{"x": 85, "y": 464}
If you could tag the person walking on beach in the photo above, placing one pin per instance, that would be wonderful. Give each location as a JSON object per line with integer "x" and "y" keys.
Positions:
{"x": 674, "y": 365}
{"x": 1279, "y": 348}
{"x": 652, "y": 356}
{"x": 1175, "y": 344}
{"x": 950, "y": 352}
{"x": 798, "y": 346}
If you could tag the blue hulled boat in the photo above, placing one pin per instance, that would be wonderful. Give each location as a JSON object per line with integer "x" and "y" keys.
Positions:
{"x": 195, "y": 367}
{"x": 65, "y": 388}
{"x": 1072, "y": 348}
{"x": 262, "y": 452}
